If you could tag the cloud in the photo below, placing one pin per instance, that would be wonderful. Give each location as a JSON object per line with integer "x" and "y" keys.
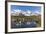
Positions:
{"x": 26, "y": 13}
{"x": 37, "y": 12}
{"x": 15, "y": 12}
{"x": 29, "y": 11}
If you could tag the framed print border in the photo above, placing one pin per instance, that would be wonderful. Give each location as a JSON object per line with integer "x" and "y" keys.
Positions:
{"x": 6, "y": 16}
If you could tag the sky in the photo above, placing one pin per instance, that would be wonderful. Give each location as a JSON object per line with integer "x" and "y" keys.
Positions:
{"x": 32, "y": 9}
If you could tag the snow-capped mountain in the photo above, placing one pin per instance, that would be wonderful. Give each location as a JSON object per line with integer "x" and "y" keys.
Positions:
{"x": 24, "y": 13}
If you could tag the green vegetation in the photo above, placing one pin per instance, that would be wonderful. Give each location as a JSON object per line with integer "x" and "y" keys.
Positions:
{"x": 28, "y": 18}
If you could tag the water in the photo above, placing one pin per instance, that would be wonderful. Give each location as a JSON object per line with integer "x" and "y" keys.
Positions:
{"x": 23, "y": 25}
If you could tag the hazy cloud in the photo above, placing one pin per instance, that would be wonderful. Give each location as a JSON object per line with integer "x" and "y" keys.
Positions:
{"x": 26, "y": 13}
